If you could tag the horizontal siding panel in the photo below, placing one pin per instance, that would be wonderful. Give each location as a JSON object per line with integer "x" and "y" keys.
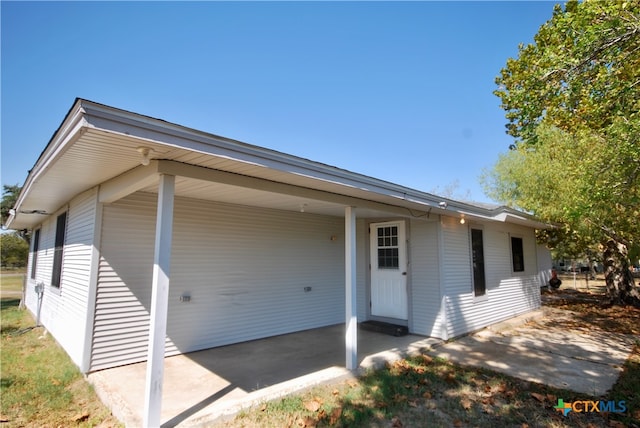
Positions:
{"x": 64, "y": 311}
{"x": 508, "y": 293}
{"x": 244, "y": 268}
{"x": 425, "y": 278}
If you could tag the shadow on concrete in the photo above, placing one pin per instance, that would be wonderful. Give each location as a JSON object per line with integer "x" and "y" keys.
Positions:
{"x": 202, "y": 386}
{"x": 584, "y": 360}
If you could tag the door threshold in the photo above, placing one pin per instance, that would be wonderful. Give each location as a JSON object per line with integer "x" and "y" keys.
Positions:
{"x": 385, "y": 327}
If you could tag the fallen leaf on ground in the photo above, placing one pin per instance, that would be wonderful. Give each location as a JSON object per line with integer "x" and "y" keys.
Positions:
{"x": 466, "y": 403}
{"x": 396, "y": 422}
{"x": 538, "y": 397}
{"x": 81, "y": 417}
{"x": 427, "y": 395}
{"x": 307, "y": 422}
{"x": 399, "y": 398}
{"x": 312, "y": 405}
{"x": 335, "y": 415}
{"x": 322, "y": 415}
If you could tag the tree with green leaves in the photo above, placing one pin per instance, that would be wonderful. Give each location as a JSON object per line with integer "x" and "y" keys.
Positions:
{"x": 14, "y": 250}
{"x": 572, "y": 102}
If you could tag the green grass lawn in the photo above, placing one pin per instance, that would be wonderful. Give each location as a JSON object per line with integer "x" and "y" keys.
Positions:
{"x": 11, "y": 283}
{"x": 39, "y": 385}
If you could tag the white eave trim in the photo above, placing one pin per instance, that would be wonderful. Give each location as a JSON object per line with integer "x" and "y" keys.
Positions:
{"x": 71, "y": 129}
{"x": 518, "y": 218}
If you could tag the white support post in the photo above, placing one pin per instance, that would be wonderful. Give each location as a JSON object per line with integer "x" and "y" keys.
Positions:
{"x": 159, "y": 302}
{"x": 351, "y": 317}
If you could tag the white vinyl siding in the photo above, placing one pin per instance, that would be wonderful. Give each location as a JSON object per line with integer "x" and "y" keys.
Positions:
{"x": 425, "y": 281}
{"x": 508, "y": 293}
{"x": 362, "y": 266}
{"x": 244, "y": 268}
{"x": 64, "y": 310}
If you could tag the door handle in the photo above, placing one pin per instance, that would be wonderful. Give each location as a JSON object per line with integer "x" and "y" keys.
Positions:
{"x": 404, "y": 273}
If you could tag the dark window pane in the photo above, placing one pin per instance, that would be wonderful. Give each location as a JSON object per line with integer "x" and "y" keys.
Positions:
{"x": 517, "y": 254}
{"x": 34, "y": 257}
{"x": 388, "y": 258}
{"x": 59, "y": 247}
{"x": 477, "y": 251}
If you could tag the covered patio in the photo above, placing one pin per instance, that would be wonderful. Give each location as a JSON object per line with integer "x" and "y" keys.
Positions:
{"x": 203, "y": 386}
{"x": 172, "y": 240}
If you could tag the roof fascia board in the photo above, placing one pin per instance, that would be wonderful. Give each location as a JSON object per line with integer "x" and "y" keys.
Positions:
{"x": 69, "y": 131}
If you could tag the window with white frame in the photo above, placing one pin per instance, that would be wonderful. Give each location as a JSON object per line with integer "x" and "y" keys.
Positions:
{"x": 477, "y": 256}
{"x": 517, "y": 254}
{"x": 34, "y": 253}
{"x": 61, "y": 226}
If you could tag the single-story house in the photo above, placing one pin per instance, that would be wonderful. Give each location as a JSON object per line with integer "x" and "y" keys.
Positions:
{"x": 150, "y": 239}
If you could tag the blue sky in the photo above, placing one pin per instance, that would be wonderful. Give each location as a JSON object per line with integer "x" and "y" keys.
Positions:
{"x": 400, "y": 91}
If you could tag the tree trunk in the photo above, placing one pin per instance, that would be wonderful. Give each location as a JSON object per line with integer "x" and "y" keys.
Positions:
{"x": 620, "y": 285}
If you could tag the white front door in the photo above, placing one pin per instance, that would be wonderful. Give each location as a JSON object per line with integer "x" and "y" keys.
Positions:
{"x": 389, "y": 270}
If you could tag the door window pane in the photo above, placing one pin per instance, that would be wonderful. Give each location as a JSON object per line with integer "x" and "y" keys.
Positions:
{"x": 388, "y": 254}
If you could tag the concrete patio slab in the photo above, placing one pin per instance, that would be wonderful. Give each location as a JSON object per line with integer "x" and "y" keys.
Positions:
{"x": 588, "y": 362}
{"x": 202, "y": 386}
